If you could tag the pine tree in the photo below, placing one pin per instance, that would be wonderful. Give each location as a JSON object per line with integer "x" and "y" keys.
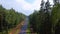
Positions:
{"x": 42, "y": 6}
{"x": 42, "y": 17}
{"x": 56, "y": 2}
{"x": 47, "y": 22}
{"x": 55, "y": 16}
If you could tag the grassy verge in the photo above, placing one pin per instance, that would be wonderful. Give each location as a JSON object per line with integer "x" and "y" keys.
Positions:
{"x": 28, "y": 29}
{"x": 16, "y": 30}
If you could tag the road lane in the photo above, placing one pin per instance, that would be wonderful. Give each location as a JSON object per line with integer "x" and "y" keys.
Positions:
{"x": 24, "y": 27}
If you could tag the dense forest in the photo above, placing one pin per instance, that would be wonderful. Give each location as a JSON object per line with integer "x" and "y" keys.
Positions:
{"x": 47, "y": 19}
{"x": 9, "y": 18}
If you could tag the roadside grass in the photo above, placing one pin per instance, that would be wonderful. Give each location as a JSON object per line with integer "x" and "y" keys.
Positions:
{"x": 4, "y": 32}
{"x": 16, "y": 31}
{"x": 28, "y": 29}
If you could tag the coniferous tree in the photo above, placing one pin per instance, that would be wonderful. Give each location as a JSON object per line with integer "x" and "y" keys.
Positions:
{"x": 47, "y": 22}
{"x": 56, "y": 16}
{"x": 8, "y": 19}
{"x": 42, "y": 17}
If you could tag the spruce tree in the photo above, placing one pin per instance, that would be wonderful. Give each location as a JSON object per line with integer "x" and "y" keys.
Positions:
{"x": 42, "y": 10}
{"x": 47, "y": 22}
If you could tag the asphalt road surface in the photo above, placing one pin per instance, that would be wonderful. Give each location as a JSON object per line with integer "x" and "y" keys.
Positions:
{"x": 24, "y": 27}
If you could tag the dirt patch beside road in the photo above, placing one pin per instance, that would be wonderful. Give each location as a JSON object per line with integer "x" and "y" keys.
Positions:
{"x": 16, "y": 30}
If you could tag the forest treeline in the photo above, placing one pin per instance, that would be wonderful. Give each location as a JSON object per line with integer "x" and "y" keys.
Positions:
{"x": 47, "y": 19}
{"x": 9, "y": 18}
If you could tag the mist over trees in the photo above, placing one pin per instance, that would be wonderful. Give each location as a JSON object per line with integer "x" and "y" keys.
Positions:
{"x": 47, "y": 19}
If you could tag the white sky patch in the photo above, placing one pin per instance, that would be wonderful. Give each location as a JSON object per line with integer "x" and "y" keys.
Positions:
{"x": 29, "y": 6}
{"x": 51, "y": 1}
{"x": 0, "y": 1}
{"x": 36, "y": 4}
{"x": 22, "y": 6}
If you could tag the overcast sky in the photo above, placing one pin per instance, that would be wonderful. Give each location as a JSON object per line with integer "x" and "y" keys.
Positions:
{"x": 24, "y": 6}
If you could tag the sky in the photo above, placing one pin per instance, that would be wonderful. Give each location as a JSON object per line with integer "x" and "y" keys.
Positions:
{"x": 26, "y": 7}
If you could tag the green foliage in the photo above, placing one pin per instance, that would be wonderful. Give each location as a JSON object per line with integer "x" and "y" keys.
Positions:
{"x": 56, "y": 18}
{"x": 9, "y": 18}
{"x": 45, "y": 21}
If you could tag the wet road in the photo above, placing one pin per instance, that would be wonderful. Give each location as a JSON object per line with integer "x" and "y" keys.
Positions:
{"x": 24, "y": 27}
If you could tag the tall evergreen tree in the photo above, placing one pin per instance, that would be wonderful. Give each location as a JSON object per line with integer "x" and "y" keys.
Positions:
{"x": 47, "y": 22}
{"x": 56, "y": 2}
{"x": 55, "y": 16}
{"x": 42, "y": 6}
{"x": 41, "y": 17}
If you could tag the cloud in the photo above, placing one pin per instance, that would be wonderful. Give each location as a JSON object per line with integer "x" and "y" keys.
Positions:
{"x": 22, "y": 5}
{"x": 29, "y": 6}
